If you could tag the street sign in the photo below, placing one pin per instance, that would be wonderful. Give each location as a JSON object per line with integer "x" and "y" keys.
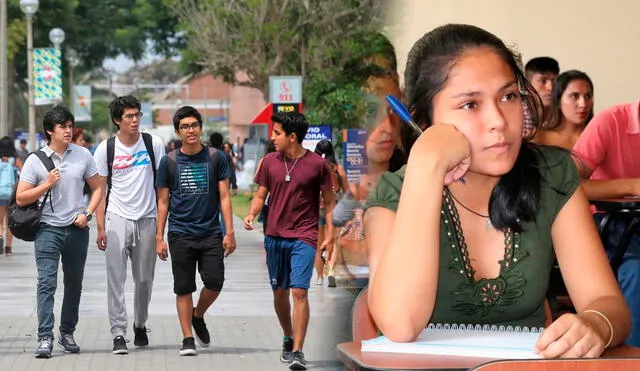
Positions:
{"x": 47, "y": 71}
{"x": 285, "y": 89}
{"x": 279, "y": 107}
{"x": 315, "y": 134}
{"x": 355, "y": 154}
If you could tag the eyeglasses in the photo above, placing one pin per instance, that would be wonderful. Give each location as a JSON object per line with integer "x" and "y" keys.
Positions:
{"x": 186, "y": 127}
{"x": 130, "y": 116}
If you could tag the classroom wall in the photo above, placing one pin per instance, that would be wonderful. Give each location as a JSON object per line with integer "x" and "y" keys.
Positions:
{"x": 601, "y": 38}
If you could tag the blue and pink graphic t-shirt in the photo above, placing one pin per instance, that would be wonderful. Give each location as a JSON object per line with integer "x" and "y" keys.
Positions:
{"x": 132, "y": 193}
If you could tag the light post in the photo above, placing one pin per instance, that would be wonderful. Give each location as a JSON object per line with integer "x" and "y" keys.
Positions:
{"x": 106, "y": 72}
{"x": 29, "y": 8}
{"x": 73, "y": 60}
{"x": 4, "y": 86}
{"x": 56, "y": 36}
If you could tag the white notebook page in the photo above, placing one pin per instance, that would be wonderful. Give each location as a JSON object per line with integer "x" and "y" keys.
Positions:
{"x": 472, "y": 341}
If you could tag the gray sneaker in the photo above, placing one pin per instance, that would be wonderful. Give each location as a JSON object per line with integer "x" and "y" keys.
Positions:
{"x": 45, "y": 348}
{"x": 68, "y": 343}
{"x": 287, "y": 347}
{"x": 297, "y": 361}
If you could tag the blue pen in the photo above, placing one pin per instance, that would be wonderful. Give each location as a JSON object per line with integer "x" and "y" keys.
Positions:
{"x": 402, "y": 112}
{"x": 399, "y": 109}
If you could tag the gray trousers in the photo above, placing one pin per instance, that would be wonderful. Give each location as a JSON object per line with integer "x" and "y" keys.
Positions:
{"x": 134, "y": 239}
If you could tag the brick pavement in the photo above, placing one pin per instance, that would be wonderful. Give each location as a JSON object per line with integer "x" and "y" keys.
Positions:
{"x": 245, "y": 330}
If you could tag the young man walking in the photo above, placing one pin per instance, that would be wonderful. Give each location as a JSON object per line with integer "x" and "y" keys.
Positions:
{"x": 127, "y": 229}
{"x": 294, "y": 178}
{"x": 197, "y": 177}
{"x": 63, "y": 235}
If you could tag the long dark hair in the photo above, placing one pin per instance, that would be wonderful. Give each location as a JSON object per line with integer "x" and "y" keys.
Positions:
{"x": 516, "y": 197}
{"x": 560, "y": 85}
{"x": 7, "y": 148}
{"x": 324, "y": 147}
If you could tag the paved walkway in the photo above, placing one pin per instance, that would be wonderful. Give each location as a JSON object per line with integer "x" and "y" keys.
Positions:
{"x": 245, "y": 331}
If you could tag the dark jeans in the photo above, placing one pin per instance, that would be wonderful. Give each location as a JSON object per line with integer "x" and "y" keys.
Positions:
{"x": 52, "y": 243}
{"x": 628, "y": 273}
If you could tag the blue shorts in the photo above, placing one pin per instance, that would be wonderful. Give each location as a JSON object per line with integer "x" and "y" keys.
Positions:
{"x": 290, "y": 262}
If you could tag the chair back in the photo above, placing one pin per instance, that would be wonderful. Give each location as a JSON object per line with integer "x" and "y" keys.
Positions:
{"x": 363, "y": 327}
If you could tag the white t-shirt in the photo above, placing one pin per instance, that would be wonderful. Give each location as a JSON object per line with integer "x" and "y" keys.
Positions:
{"x": 133, "y": 193}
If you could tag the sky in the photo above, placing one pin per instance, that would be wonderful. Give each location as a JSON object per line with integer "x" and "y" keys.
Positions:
{"x": 121, "y": 63}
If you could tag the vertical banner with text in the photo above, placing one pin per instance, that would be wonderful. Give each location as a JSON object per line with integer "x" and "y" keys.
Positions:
{"x": 82, "y": 102}
{"x": 47, "y": 76}
{"x": 355, "y": 154}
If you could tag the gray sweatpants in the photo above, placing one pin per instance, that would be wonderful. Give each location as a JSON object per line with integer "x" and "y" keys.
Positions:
{"x": 126, "y": 239}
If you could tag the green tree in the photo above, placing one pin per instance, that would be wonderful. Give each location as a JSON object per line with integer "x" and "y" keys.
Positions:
{"x": 96, "y": 29}
{"x": 325, "y": 41}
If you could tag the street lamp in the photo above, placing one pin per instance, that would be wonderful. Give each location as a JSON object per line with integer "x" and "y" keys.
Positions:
{"x": 73, "y": 60}
{"x": 56, "y": 36}
{"x": 29, "y": 8}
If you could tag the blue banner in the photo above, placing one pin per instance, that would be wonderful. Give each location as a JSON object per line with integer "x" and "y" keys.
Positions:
{"x": 315, "y": 134}
{"x": 355, "y": 154}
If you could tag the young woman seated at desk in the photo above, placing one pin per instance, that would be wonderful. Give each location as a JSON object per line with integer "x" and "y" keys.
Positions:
{"x": 467, "y": 231}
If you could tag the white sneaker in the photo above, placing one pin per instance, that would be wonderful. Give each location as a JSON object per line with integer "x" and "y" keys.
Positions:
{"x": 320, "y": 281}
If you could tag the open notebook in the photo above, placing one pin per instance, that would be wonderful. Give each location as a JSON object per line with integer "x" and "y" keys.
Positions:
{"x": 465, "y": 340}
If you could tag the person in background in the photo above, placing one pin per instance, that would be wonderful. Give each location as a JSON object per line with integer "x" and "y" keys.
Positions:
{"x": 10, "y": 165}
{"x": 607, "y": 157}
{"x": 264, "y": 213}
{"x": 467, "y": 229}
{"x": 78, "y": 139}
{"x": 324, "y": 148}
{"x": 571, "y": 110}
{"x": 541, "y": 73}
{"x": 22, "y": 151}
{"x": 216, "y": 140}
{"x": 384, "y": 148}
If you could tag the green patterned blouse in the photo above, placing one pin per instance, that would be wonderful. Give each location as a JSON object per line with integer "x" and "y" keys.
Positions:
{"x": 516, "y": 297}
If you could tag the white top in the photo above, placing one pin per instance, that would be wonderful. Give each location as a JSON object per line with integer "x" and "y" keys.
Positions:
{"x": 75, "y": 166}
{"x": 132, "y": 190}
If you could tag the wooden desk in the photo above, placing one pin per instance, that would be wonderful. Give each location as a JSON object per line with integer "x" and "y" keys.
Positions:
{"x": 627, "y": 209}
{"x": 351, "y": 356}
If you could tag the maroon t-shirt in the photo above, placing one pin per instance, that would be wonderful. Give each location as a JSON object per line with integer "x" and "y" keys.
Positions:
{"x": 294, "y": 206}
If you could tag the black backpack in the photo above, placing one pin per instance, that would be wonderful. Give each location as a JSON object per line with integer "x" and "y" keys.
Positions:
{"x": 111, "y": 145}
{"x": 171, "y": 163}
{"x": 24, "y": 221}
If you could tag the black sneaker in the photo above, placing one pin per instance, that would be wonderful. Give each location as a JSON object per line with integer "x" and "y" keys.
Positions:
{"x": 68, "y": 343}
{"x": 200, "y": 330}
{"x": 120, "y": 345}
{"x": 188, "y": 347}
{"x": 141, "y": 339}
{"x": 287, "y": 347}
{"x": 332, "y": 281}
{"x": 45, "y": 348}
{"x": 297, "y": 361}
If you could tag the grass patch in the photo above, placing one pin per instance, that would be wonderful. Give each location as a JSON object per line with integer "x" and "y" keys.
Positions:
{"x": 240, "y": 204}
